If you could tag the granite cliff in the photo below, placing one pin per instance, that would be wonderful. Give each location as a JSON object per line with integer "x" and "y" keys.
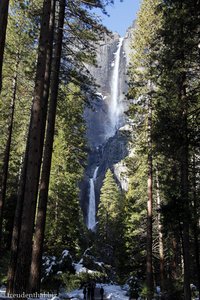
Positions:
{"x": 107, "y": 129}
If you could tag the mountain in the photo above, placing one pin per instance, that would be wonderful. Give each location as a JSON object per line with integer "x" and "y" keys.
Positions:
{"x": 107, "y": 124}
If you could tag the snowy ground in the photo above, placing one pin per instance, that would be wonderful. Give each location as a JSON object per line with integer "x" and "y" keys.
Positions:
{"x": 111, "y": 292}
{"x": 115, "y": 292}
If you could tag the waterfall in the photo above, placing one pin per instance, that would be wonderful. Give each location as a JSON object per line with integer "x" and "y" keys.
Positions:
{"x": 114, "y": 105}
{"x": 92, "y": 202}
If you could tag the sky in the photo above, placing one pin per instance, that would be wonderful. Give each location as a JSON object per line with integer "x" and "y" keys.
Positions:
{"x": 121, "y": 14}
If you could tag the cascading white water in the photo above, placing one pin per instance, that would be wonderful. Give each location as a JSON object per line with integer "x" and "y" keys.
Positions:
{"x": 92, "y": 202}
{"x": 114, "y": 106}
{"x": 112, "y": 123}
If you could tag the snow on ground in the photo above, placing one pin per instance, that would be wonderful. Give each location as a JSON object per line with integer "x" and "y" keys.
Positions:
{"x": 75, "y": 295}
{"x": 2, "y": 292}
{"x": 111, "y": 292}
{"x": 114, "y": 292}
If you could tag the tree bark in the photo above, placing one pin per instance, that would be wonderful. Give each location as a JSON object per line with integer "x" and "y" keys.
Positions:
{"x": 35, "y": 148}
{"x": 35, "y": 274}
{"x": 160, "y": 234}
{"x": 149, "y": 205}
{"x": 7, "y": 150}
{"x": 186, "y": 241}
{"x": 16, "y": 229}
{"x": 174, "y": 258}
{"x": 4, "y": 4}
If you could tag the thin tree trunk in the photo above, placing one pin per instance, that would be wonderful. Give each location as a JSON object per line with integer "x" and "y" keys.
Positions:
{"x": 160, "y": 234}
{"x": 7, "y": 151}
{"x": 35, "y": 148}
{"x": 35, "y": 275}
{"x": 174, "y": 259}
{"x": 4, "y": 4}
{"x": 149, "y": 205}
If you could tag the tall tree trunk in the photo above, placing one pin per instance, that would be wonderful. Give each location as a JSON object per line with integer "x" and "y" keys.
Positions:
{"x": 16, "y": 228}
{"x": 184, "y": 153}
{"x": 4, "y": 4}
{"x": 7, "y": 150}
{"x": 160, "y": 234}
{"x": 174, "y": 258}
{"x": 195, "y": 223}
{"x": 35, "y": 148}
{"x": 185, "y": 186}
{"x": 149, "y": 205}
{"x": 35, "y": 274}
{"x": 186, "y": 242}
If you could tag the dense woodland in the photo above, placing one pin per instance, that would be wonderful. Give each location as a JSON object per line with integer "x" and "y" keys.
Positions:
{"x": 146, "y": 237}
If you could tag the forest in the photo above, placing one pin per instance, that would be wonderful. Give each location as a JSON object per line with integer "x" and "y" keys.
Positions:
{"x": 146, "y": 237}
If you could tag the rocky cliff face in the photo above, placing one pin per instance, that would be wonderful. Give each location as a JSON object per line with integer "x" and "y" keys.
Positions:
{"x": 108, "y": 146}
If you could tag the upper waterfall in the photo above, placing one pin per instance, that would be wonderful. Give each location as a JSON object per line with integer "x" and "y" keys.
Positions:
{"x": 114, "y": 107}
{"x": 107, "y": 114}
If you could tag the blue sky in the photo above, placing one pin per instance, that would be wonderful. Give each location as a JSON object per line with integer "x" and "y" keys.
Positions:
{"x": 121, "y": 14}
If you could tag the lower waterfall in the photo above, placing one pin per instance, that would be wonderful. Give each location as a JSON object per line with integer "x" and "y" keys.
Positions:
{"x": 92, "y": 202}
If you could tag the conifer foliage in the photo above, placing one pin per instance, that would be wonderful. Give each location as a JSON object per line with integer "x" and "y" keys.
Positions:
{"x": 40, "y": 35}
{"x": 110, "y": 233}
{"x": 165, "y": 58}
{"x": 3, "y": 25}
{"x": 109, "y": 209}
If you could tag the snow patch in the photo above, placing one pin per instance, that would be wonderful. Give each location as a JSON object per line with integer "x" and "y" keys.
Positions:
{"x": 101, "y": 95}
{"x": 3, "y": 292}
{"x": 79, "y": 268}
{"x": 49, "y": 263}
{"x": 65, "y": 253}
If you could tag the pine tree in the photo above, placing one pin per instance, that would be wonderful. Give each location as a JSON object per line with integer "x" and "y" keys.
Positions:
{"x": 19, "y": 59}
{"x": 135, "y": 214}
{"x": 109, "y": 207}
{"x": 142, "y": 87}
{"x": 7, "y": 151}
{"x": 68, "y": 163}
{"x": 110, "y": 223}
